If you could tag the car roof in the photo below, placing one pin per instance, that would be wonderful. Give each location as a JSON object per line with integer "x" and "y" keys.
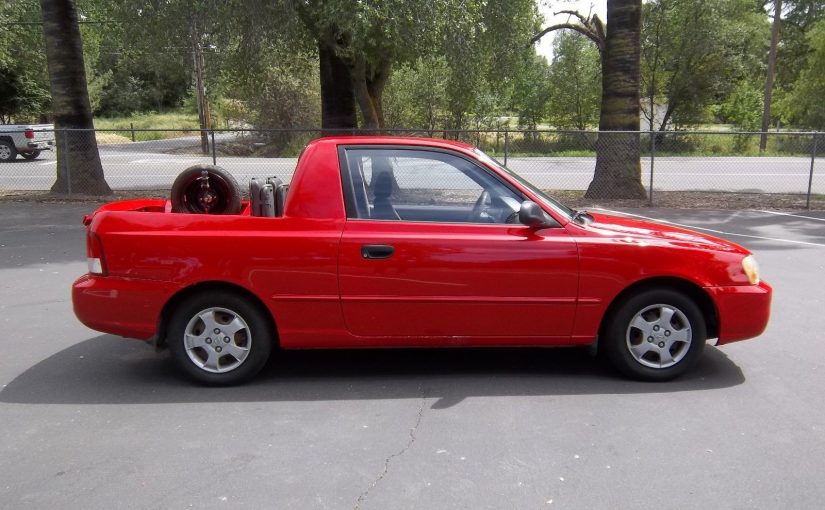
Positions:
{"x": 392, "y": 140}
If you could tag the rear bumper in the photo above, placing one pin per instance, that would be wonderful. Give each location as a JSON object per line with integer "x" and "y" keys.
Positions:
{"x": 40, "y": 146}
{"x": 744, "y": 310}
{"x": 120, "y": 306}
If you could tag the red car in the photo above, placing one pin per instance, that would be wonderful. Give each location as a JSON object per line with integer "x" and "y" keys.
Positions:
{"x": 405, "y": 242}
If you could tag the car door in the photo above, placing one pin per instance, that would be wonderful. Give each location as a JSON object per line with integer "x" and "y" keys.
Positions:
{"x": 438, "y": 254}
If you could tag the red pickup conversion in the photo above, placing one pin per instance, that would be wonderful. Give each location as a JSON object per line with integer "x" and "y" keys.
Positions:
{"x": 402, "y": 242}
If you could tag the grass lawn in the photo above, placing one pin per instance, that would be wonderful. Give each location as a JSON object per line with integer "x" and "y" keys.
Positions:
{"x": 160, "y": 125}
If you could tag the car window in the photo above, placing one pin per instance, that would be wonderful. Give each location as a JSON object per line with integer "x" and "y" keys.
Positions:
{"x": 422, "y": 185}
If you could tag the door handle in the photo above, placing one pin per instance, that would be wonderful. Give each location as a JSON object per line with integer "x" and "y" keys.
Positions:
{"x": 377, "y": 251}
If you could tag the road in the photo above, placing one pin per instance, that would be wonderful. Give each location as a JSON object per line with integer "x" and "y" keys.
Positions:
{"x": 91, "y": 421}
{"x": 126, "y": 168}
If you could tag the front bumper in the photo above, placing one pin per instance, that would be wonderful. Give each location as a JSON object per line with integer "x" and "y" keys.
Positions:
{"x": 743, "y": 310}
{"x": 120, "y": 306}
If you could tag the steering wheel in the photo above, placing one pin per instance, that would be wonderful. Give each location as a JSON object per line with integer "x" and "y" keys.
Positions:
{"x": 480, "y": 209}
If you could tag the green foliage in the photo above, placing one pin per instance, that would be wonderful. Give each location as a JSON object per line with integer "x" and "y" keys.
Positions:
{"x": 23, "y": 63}
{"x": 12, "y": 94}
{"x": 162, "y": 125}
{"x": 465, "y": 76}
{"x": 532, "y": 90}
{"x": 283, "y": 99}
{"x": 394, "y": 30}
{"x": 416, "y": 95}
{"x": 792, "y": 54}
{"x": 694, "y": 51}
{"x": 742, "y": 107}
{"x": 137, "y": 85}
{"x": 175, "y": 120}
{"x": 486, "y": 49}
{"x": 575, "y": 75}
{"x": 804, "y": 103}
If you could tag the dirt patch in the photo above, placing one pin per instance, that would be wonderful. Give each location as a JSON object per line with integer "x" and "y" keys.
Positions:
{"x": 104, "y": 138}
{"x": 697, "y": 200}
{"x": 574, "y": 199}
{"x": 52, "y": 198}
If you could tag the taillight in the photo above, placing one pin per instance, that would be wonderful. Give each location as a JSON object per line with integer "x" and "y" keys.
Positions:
{"x": 29, "y": 133}
{"x": 94, "y": 254}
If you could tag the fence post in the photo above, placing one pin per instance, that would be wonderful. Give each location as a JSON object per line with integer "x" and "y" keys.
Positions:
{"x": 811, "y": 173}
{"x": 214, "y": 154}
{"x": 652, "y": 162}
{"x": 67, "y": 171}
{"x": 132, "y": 126}
{"x": 506, "y": 145}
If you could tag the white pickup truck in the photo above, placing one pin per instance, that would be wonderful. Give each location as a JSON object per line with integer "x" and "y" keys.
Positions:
{"x": 28, "y": 140}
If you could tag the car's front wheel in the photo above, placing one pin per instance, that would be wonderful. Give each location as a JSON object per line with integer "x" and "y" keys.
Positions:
{"x": 219, "y": 338}
{"x": 655, "y": 335}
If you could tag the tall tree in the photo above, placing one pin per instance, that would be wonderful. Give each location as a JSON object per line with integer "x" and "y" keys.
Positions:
{"x": 365, "y": 41}
{"x": 618, "y": 169}
{"x": 78, "y": 160}
{"x": 357, "y": 46}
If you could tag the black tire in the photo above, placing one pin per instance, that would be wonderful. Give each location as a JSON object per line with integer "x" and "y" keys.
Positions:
{"x": 8, "y": 152}
{"x": 30, "y": 155}
{"x": 654, "y": 348}
{"x": 220, "y": 194}
{"x": 213, "y": 360}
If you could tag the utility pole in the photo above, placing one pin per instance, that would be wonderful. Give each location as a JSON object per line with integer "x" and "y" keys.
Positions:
{"x": 766, "y": 110}
{"x": 203, "y": 104}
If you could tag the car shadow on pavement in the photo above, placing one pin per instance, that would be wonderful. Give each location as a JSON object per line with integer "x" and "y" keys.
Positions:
{"x": 110, "y": 370}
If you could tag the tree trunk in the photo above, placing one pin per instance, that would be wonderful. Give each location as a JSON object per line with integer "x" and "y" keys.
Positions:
{"x": 337, "y": 94}
{"x": 200, "y": 90}
{"x": 659, "y": 139}
{"x": 368, "y": 84}
{"x": 375, "y": 88}
{"x": 618, "y": 170}
{"x": 766, "y": 109}
{"x": 78, "y": 160}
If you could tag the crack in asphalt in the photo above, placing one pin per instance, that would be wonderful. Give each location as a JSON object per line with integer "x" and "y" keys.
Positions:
{"x": 399, "y": 453}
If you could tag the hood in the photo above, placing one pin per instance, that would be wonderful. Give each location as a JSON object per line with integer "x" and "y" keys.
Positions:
{"x": 644, "y": 231}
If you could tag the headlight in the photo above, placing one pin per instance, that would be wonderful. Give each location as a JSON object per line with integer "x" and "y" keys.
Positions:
{"x": 751, "y": 269}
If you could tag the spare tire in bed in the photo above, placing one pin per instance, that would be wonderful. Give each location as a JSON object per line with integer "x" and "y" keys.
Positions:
{"x": 206, "y": 189}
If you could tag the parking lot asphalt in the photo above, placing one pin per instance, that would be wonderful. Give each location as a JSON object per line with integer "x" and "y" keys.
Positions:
{"x": 93, "y": 421}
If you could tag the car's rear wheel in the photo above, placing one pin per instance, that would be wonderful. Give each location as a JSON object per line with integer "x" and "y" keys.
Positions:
{"x": 30, "y": 155}
{"x": 219, "y": 338}
{"x": 8, "y": 152}
{"x": 655, "y": 335}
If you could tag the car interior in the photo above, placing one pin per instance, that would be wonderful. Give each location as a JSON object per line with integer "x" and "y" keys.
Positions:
{"x": 380, "y": 197}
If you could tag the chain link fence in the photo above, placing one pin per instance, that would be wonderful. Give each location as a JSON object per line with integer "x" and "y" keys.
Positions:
{"x": 674, "y": 168}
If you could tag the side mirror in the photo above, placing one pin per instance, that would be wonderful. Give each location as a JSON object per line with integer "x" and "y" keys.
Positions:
{"x": 533, "y": 216}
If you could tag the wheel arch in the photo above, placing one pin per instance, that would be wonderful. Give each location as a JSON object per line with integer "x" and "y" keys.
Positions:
{"x": 191, "y": 290}
{"x": 696, "y": 293}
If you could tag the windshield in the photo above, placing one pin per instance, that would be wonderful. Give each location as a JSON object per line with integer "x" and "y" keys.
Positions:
{"x": 556, "y": 206}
